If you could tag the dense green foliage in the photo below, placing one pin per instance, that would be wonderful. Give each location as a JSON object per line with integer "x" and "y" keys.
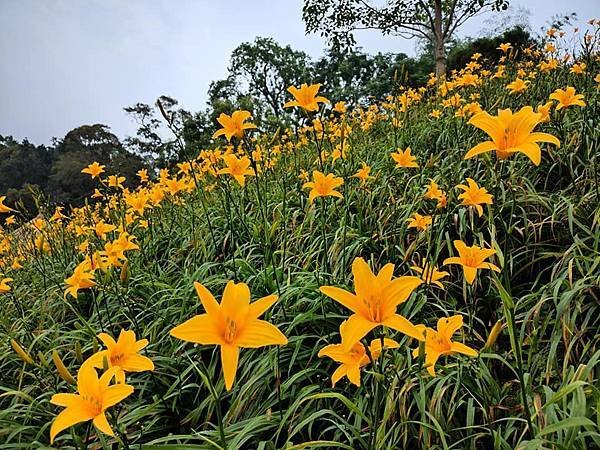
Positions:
{"x": 434, "y": 21}
{"x": 27, "y": 171}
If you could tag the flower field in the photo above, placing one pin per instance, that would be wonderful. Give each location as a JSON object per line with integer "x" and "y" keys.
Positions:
{"x": 423, "y": 272}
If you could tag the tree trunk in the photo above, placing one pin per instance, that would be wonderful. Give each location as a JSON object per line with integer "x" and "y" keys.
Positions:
{"x": 440, "y": 58}
{"x": 439, "y": 40}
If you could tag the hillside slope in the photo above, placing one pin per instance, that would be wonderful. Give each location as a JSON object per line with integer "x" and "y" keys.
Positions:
{"x": 521, "y": 372}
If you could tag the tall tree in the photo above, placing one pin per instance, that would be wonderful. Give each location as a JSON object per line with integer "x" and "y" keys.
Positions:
{"x": 432, "y": 20}
{"x": 23, "y": 163}
{"x": 259, "y": 74}
{"x": 79, "y": 148}
{"x": 197, "y": 133}
{"x": 24, "y": 169}
{"x": 461, "y": 53}
{"x": 148, "y": 141}
{"x": 359, "y": 77}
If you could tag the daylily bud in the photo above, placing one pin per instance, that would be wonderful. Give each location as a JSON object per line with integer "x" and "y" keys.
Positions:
{"x": 494, "y": 333}
{"x": 78, "y": 354}
{"x": 61, "y": 368}
{"x": 21, "y": 352}
{"x": 421, "y": 350}
{"x": 124, "y": 272}
{"x": 275, "y": 136}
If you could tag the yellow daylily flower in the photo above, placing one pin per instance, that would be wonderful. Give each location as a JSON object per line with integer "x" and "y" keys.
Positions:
{"x": 125, "y": 242}
{"x": 430, "y": 274}
{"x": 363, "y": 173}
{"x": 4, "y": 286}
{"x": 517, "y": 86}
{"x": 137, "y": 202}
{"x": 472, "y": 259}
{"x": 82, "y": 278}
{"x": 340, "y": 107}
{"x": 323, "y": 185}
{"x": 352, "y": 359}
{"x": 544, "y": 110}
{"x": 3, "y": 207}
{"x": 433, "y": 191}
{"x": 547, "y": 66}
{"x": 234, "y": 125}
{"x": 306, "y": 97}
{"x": 173, "y": 186}
{"x": 143, "y": 175}
{"x": 511, "y": 133}
{"x": 232, "y": 324}
{"x": 237, "y": 168}
{"x": 97, "y": 260}
{"x": 374, "y": 301}
{"x": 112, "y": 255}
{"x": 94, "y": 170}
{"x": 442, "y": 201}
{"x": 185, "y": 167}
{"x": 58, "y": 215}
{"x": 102, "y": 229}
{"x": 303, "y": 176}
{"x": 122, "y": 354}
{"x": 419, "y": 222}
{"x": 439, "y": 342}
{"x": 41, "y": 243}
{"x": 567, "y": 97}
{"x": 578, "y": 68}
{"x": 474, "y": 195}
{"x": 403, "y": 158}
{"x": 94, "y": 396}
{"x": 116, "y": 181}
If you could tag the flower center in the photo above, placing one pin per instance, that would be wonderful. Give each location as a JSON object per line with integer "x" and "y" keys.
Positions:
{"x": 470, "y": 259}
{"x": 116, "y": 358}
{"x": 237, "y": 128}
{"x": 94, "y": 404}
{"x": 506, "y": 141}
{"x": 357, "y": 351}
{"x": 236, "y": 169}
{"x": 305, "y": 98}
{"x": 322, "y": 187}
{"x": 373, "y": 304}
{"x": 231, "y": 329}
{"x": 442, "y": 345}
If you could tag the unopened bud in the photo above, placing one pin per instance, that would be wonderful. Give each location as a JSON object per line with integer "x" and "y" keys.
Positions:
{"x": 494, "y": 333}
{"x": 78, "y": 354}
{"x": 124, "y": 272}
{"x": 61, "y": 368}
{"x": 21, "y": 352}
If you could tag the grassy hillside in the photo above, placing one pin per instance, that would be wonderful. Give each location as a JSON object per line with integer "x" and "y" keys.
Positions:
{"x": 527, "y": 378}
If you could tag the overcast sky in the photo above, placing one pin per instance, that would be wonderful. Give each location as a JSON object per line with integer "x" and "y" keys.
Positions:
{"x": 64, "y": 63}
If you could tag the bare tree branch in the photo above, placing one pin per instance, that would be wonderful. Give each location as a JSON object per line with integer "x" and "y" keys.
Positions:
{"x": 450, "y": 19}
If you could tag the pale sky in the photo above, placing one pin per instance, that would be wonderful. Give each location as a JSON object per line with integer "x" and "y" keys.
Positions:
{"x": 66, "y": 63}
